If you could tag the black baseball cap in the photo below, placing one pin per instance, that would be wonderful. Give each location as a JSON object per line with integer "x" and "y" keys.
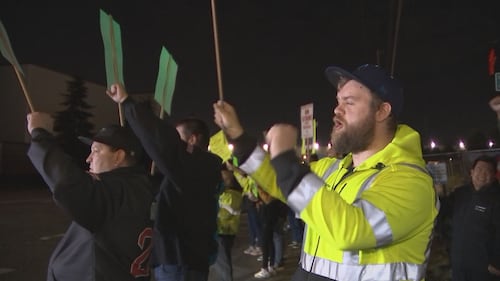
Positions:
{"x": 374, "y": 78}
{"x": 118, "y": 137}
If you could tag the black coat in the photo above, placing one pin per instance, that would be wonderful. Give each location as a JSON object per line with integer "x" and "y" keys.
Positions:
{"x": 475, "y": 227}
{"x": 111, "y": 232}
{"x": 186, "y": 217}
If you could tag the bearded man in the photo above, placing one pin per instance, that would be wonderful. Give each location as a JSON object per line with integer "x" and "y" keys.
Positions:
{"x": 368, "y": 216}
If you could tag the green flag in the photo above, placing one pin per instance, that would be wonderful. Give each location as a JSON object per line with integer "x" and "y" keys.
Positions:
{"x": 6, "y": 49}
{"x": 111, "y": 37}
{"x": 165, "y": 82}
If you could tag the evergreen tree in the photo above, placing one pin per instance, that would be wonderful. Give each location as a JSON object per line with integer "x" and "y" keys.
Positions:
{"x": 73, "y": 121}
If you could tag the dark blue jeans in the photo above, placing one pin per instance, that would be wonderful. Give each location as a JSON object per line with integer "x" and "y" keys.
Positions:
{"x": 296, "y": 226}
{"x": 254, "y": 225}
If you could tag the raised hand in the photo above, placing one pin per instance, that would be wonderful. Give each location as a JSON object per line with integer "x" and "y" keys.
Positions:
{"x": 226, "y": 118}
{"x": 40, "y": 120}
{"x": 117, "y": 93}
{"x": 281, "y": 138}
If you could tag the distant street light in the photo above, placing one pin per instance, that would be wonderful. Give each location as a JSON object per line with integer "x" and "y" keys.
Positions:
{"x": 433, "y": 145}
{"x": 461, "y": 145}
{"x": 490, "y": 143}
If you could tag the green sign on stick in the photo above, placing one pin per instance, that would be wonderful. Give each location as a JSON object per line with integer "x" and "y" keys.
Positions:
{"x": 111, "y": 37}
{"x": 165, "y": 82}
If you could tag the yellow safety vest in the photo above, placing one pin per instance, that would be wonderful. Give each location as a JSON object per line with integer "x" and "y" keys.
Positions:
{"x": 372, "y": 223}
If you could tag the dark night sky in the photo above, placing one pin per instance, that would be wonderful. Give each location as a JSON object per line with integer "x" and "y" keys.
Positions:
{"x": 274, "y": 52}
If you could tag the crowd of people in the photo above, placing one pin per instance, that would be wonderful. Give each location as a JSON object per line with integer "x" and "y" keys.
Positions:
{"x": 267, "y": 219}
{"x": 367, "y": 211}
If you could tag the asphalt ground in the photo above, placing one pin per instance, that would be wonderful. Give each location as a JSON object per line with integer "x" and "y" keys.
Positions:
{"x": 31, "y": 225}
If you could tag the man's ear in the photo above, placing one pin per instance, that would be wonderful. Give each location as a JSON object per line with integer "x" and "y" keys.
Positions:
{"x": 384, "y": 111}
{"x": 120, "y": 157}
{"x": 192, "y": 140}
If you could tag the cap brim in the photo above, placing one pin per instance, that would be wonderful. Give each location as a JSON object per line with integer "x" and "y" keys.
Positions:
{"x": 334, "y": 73}
{"x": 85, "y": 140}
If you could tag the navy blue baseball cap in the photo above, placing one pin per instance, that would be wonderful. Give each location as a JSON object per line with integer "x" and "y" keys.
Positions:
{"x": 118, "y": 137}
{"x": 374, "y": 78}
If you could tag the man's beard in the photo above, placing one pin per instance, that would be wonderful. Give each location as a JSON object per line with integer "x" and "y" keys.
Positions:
{"x": 355, "y": 138}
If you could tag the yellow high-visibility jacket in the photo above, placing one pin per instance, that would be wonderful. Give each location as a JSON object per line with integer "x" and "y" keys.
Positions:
{"x": 371, "y": 222}
{"x": 228, "y": 218}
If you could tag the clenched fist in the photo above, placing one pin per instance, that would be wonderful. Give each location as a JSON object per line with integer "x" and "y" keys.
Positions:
{"x": 281, "y": 138}
{"x": 40, "y": 120}
{"x": 117, "y": 93}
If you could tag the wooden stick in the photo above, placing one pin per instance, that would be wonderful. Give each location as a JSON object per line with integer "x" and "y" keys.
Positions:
{"x": 217, "y": 55}
{"x": 23, "y": 87}
{"x": 5, "y": 42}
{"x": 396, "y": 32}
{"x": 152, "y": 171}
